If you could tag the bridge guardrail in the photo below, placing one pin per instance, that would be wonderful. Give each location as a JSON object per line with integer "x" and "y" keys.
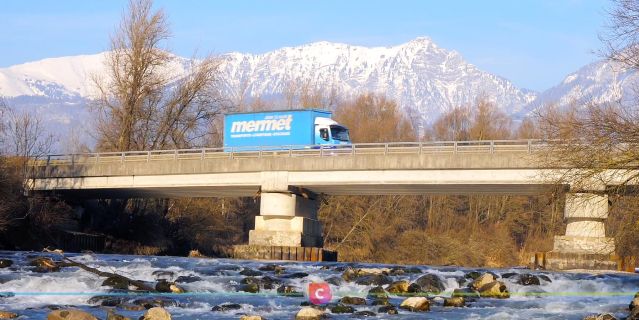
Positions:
{"x": 453, "y": 147}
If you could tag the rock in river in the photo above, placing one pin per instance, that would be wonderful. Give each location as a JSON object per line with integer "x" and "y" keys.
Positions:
{"x": 156, "y": 313}
{"x": 415, "y": 304}
{"x": 310, "y": 313}
{"x": 70, "y": 314}
{"x": 495, "y": 289}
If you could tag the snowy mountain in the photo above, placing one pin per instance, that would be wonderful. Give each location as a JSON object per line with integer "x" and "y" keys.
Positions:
{"x": 423, "y": 78}
{"x": 598, "y": 82}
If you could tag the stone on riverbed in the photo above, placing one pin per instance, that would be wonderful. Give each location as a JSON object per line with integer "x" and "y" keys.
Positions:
{"x": 5, "y": 263}
{"x": 227, "y": 307}
{"x": 156, "y": 313}
{"x": 454, "y": 302}
{"x": 8, "y": 315}
{"x": 482, "y": 280}
{"x": 374, "y": 280}
{"x": 398, "y": 287}
{"x": 430, "y": 283}
{"x": 377, "y": 293}
{"x": 251, "y": 317}
{"x": 465, "y": 293}
{"x": 70, "y": 314}
{"x": 527, "y": 279}
{"x": 387, "y": 309}
{"x": 341, "y": 308}
{"x": 353, "y": 300}
{"x": 495, "y": 289}
{"x": 250, "y": 272}
{"x": 44, "y": 264}
{"x": 119, "y": 283}
{"x": 415, "y": 304}
{"x": 114, "y": 316}
{"x": 603, "y": 316}
{"x": 168, "y": 287}
{"x": 310, "y": 313}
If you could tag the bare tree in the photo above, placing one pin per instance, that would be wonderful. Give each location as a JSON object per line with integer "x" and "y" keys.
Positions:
{"x": 142, "y": 103}
{"x": 622, "y": 33}
{"x": 374, "y": 118}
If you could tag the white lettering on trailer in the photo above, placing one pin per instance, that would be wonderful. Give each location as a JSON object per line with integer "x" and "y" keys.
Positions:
{"x": 283, "y": 124}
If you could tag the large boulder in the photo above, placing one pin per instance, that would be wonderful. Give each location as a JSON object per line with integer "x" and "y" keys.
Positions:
{"x": 168, "y": 287}
{"x": 415, "y": 304}
{"x": 430, "y": 283}
{"x": 227, "y": 307}
{"x": 387, "y": 309}
{"x": 310, "y": 313}
{"x": 5, "y": 263}
{"x": 119, "y": 283}
{"x": 341, "y": 308}
{"x": 377, "y": 293}
{"x": 70, "y": 314}
{"x": 44, "y": 264}
{"x": 374, "y": 280}
{"x": 353, "y": 300}
{"x": 289, "y": 291}
{"x": 114, "y": 316}
{"x": 527, "y": 279}
{"x": 398, "y": 287}
{"x": 481, "y": 281}
{"x": 495, "y": 289}
{"x": 454, "y": 302}
{"x": 156, "y": 313}
{"x": 8, "y": 315}
{"x": 602, "y": 316}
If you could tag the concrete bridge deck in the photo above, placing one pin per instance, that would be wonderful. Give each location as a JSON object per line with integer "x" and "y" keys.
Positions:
{"x": 395, "y": 168}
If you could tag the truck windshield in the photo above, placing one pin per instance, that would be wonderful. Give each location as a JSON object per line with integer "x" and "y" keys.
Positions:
{"x": 339, "y": 133}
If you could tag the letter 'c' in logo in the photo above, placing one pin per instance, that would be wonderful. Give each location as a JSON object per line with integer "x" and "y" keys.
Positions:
{"x": 319, "y": 293}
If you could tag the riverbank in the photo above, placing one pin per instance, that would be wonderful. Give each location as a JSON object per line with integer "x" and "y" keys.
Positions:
{"x": 229, "y": 289}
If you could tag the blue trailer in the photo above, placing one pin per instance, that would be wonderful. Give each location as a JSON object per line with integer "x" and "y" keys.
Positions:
{"x": 276, "y": 130}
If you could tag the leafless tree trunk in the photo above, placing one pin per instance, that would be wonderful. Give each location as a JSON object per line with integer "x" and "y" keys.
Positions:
{"x": 143, "y": 101}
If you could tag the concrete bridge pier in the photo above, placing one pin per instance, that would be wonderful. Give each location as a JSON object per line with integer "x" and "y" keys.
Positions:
{"x": 585, "y": 245}
{"x": 287, "y": 219}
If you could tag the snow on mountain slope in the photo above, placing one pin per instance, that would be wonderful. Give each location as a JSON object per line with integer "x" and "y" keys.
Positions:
{"x": 423, "y": 78}
{"x": 598, "y": 82}
{"x": 55, "y": 78}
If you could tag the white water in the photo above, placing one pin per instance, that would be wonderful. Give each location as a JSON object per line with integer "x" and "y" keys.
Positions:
{"x": 568, "y": 296}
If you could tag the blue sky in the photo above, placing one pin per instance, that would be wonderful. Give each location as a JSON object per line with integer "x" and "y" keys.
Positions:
{"x": 534, "y": 43}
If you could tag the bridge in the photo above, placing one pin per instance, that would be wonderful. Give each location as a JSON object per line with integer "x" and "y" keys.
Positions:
{"x": 290, "y": 180}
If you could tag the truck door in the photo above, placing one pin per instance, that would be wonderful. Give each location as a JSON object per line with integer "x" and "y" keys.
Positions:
{"x": 322, "y": 134}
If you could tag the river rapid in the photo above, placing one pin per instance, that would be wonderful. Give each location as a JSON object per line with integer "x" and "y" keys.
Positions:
{"x": 213, "y": 282}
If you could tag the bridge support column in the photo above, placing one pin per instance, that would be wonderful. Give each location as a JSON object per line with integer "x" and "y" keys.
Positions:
{"x": 287, "y": 219}
{"x": 585, "y": 245}
{"x": 585, "y": 232}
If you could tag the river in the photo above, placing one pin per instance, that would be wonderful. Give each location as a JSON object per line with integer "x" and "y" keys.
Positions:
{"x": 212, "y": 282}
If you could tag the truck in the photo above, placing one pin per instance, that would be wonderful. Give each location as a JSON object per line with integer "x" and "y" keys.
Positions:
{"x": 283, "y": 129}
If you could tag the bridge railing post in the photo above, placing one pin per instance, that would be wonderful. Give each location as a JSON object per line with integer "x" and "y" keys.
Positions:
{"x": 97, "y": 158}
{"x": 529, "y": 146}
{"x": 455, "y": 147}
{"x": 385, "y": 148}
{"x": 122, "y": 157}
{"x": 148, "y": 156}
{"x": 203, "y": 154}
{"x": 48, "y": 159}
{"x": 175, "y": 154}
{"x": 492, "y": 146}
